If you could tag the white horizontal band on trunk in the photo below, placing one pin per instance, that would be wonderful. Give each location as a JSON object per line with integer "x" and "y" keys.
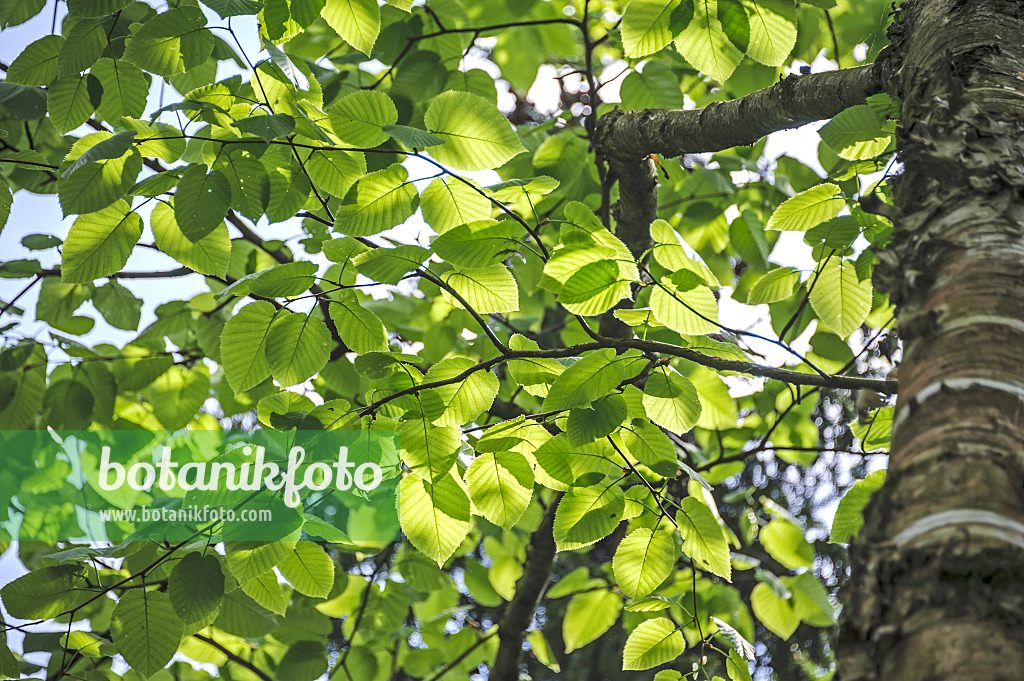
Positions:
{"x": 954, "y": 384}
{"x": 958, "y": 521}
{"x": 990, "y": 319}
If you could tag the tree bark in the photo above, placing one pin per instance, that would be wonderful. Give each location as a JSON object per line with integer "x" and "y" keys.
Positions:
{"x": 938, "y": 570}
{"x": 540, "y": 557}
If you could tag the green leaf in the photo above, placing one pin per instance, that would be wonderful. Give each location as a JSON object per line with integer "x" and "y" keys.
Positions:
{"x": 434, "y": 515}
{"x": 594, "y": 289}
{"x": 9, "y": 666}
{"x": 837, "y": 233}
{"x": 210, "y": 255}
{"x": 650, "y": 446}
{"x": 705, "y": 45}
{"x": 486, "y": 290}
{"x": 112, "y": 147}
{"x": 670, "y": 253}
{"x": 201, "y": 201}
{"x": 249, "y": 180}
{"x": 172, "y": 42}
{"x": 849, "y": 515}
{"x": 644, "y": 559}
{"x": 45, "y": 593}
{"x": 735, "y": 23}
{"x": 449, "y": 203}
{"x": 357, "y": 118}
{"x": 84, "y": 44}
{"x": 535, "y": 374}
{"x": 196, "y": 587}
{"x": 234, "y": 8}
{"x": 68, "y": 404}
{"x": 427, "y": 449}
{"x": 673, "y": 675}
{"x": 309, "y": 569}
{"x": 856, "y": 133}
{"x": 602, "y": 418}
{"x": 653, "y": 642}
{"x": 99, "y": 184}
{"x": 72, "y": 99}
{"x": 587, "y": 515}
{"x": 268, "y": 127}
{"x": 689, "y": 312}
{"x": 596, "y": 374}
{"x": 412, "y": 138}
{"x": 671, "y": 400}
{"x": 156, "y": 139}
{"x": 477, "y": 136}
{"x": 95, "y": 8}
{"x": 390, "y": 265}
{"x": 477, "y": 244}
{"x": 23, "y": 103}
{"x": 178, "y": 394}
{"x": 808, "y": 209}
{"x": 776, "y": 614}
{"x": 501, "y": 486}
{"x": 645, "y": 26}
{"x": 588, "y": 616}
{"x": 118, "y": 305}
{"x": 146, "y": 630}
{"x": 125, "y": 89}
{"x": 774, "y": 286}
{"x": 356, "y": 21}
{"x": 281, "y": 281}
{"x": 6, "y": 201}
{"x": 98, "y": 244}
{"x": 268, "y": 592}
{"x": 383, "y": 199}
{"x": 14, "y": 12}
{"x": 243, "y": 344}
{"x": 40, "y": 242}
{"x": 810, "y": 600}
{"x": 736, "y": 666}
{"x": 542, "y": 650}
{"x": 298, "y": 347}
{"x": 785, "y": 542}
{"x": 361, "y": 330}
{"x": 249, "y": 559}
{"x": 458, "y": 403}
{"x": 703, "y": 539}
{"x": 772, "y": 30}
{"x": 656, "y": 87}
{"x": 37, "y": 63}
{"x": 840, "y": 299}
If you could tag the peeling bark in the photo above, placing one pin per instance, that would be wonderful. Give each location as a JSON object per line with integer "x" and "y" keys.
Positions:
{"x": 625, "y": 139}
{"x": 938, "y": 571}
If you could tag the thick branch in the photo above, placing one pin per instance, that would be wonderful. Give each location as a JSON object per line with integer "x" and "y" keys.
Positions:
{"x": 540, "y": 556}
{"x": 793, "y": 101}
{"x": 625, "y": 139}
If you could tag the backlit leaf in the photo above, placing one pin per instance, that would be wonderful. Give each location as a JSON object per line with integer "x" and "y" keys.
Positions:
{"x": 434, "y": 515}
{"x": 703, "y": 539}
{"x": 98, "y": 244}
{"x": 653, "y": 642}
{"x": 476, "y": 135}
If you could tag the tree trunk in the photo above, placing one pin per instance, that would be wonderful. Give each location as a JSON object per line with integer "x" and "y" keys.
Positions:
{"x": 938, "y": 570}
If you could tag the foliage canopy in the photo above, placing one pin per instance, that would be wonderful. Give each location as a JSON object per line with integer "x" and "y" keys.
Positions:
{"x": 371, "y": 242}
